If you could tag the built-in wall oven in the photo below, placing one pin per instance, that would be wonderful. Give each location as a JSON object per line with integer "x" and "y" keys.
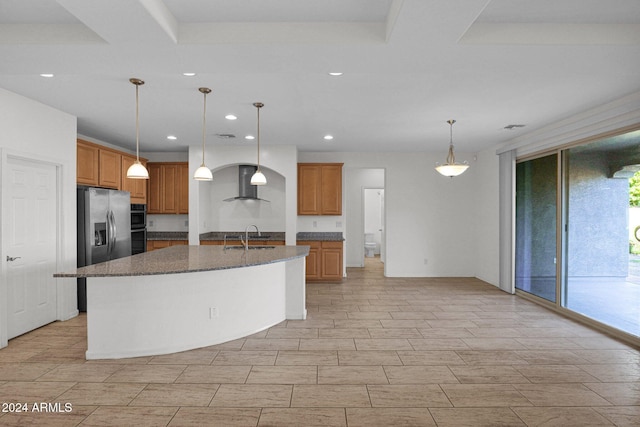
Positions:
{"x": 138, "y": 228}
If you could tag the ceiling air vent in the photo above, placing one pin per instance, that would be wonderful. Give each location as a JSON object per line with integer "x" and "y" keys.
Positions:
{"x": 225, "y": 135}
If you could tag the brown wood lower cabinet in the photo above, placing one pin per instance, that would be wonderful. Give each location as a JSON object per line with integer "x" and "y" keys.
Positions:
{"x": 159, "y": 244}
{"x": 324, "y": 262}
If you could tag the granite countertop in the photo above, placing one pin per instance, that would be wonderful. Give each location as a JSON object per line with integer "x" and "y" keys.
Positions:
{"x": 320, "y": 236}
{"x": 188, "y": 259}
{"x": 167, "y": 235}
{"x": 235, "y": 235}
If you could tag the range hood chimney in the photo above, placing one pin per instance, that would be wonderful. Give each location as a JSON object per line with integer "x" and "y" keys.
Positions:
{"x": 246, "y": 191}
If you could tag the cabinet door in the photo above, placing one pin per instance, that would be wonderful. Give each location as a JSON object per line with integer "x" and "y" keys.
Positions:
{"x": 312, "y": 261}
{"x": 154, "y": 185}
{"x": 331, "y": 261}
{"x": 309, "y": 180}
{"x": 331, "y": 190}
{"x": 137, "y": 187}
{"x": 87, "y": 164}
{"x": 183, "y": 188}
{"x": 170, "y": 184}
{"x": 110, "y": 169}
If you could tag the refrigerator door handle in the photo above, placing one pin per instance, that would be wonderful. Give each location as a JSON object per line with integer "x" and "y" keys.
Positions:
{"x": 109, "y": 232}
{"x": 115, "y": 231}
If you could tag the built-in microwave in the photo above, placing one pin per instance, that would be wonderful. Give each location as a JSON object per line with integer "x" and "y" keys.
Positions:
{"x": 138, "y": 216}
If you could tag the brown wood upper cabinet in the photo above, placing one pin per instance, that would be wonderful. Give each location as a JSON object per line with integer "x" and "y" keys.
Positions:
{"x": 99, "y": 166}
{"x": 87, "y": 163}
{"x": 168, "y": 188}
{"x": 320, "y": 188}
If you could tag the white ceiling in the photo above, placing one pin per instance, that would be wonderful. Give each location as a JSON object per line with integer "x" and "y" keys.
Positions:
{"x": 408, "y": 66}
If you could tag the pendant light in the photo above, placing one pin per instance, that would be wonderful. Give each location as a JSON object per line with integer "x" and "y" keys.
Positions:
{"x": 451, "y": 168}
{"x": 258, "y": 178}
{"x": 203, "y": 173}
{"x": 137, "y": 169}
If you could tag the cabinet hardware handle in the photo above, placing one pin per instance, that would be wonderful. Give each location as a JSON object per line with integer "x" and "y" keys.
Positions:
{"x": 11, "y": 258}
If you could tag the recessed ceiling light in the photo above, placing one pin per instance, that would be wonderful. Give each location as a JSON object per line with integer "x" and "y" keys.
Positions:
{"x": 172, "y": 137}
{"x": 47, "y": 75}
{"x": 328, "y": 137}
{"x": 230, "y": 117}
{"x": 335, "y": 74}
{"x": 188, "y": 74}
{"x": 249, "y": 137}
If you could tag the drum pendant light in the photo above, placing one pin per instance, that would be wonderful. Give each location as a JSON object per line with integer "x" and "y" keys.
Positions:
{"x": 203, "y": 173}
{"x": 258, "y": 178}
{"x": 137, "y": 169}
{"x": 451, "y": 168}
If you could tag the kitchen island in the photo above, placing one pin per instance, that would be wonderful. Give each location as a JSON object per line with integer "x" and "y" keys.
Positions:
{"x": 186, "y": 297}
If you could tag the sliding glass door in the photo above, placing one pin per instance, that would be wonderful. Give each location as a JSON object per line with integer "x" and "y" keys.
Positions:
{"x": 592, "y": 230}
{"x": 599, "y": 276}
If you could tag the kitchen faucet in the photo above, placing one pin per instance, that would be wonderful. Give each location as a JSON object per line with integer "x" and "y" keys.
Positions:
{"x": 246, "y": 235}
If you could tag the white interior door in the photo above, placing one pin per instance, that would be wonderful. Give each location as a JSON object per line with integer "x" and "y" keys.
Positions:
{"x": 30, "y": 228}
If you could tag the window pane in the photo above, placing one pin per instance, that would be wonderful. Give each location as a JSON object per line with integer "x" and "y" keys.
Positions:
{"x": 536, "y": 183}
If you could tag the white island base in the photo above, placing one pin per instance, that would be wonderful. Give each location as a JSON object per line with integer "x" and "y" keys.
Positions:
{"x": 132, "y": 316}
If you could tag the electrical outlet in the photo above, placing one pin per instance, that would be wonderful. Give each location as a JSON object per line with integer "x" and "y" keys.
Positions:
{"x": 338, "y": 224}
{"x": 315, "y": 224}
{"x": 213, "y": 312}
{"x": 151, "y": 223}
{"x": 426, "y": 261}
{"x": 186, "y": 223}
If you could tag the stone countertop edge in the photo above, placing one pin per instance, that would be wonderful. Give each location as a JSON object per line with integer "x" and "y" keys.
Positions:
{"x": 233, "y": 235}
{"x": 330, "y": 236}
{"x": 167, "y": 235}
{"x": 187, "y": 259}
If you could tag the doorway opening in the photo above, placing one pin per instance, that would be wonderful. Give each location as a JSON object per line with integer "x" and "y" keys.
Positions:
{"x": 358, "y": 182}
{"x": 373, "y": 223}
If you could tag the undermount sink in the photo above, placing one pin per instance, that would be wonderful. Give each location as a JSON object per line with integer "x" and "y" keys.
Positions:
{"x": 251, "y": 247}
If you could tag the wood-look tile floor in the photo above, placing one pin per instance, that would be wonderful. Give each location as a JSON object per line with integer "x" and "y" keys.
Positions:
{"x": 374, "y": 351}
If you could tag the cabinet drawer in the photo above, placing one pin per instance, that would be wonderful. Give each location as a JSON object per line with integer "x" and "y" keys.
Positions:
{"x": 332, "y": 245}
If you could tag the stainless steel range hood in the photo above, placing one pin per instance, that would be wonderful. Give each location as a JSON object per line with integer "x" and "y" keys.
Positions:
{"x": 246, "y": 191}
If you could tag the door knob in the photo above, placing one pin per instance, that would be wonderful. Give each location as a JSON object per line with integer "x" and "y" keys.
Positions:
{"x": 12, "y": 258}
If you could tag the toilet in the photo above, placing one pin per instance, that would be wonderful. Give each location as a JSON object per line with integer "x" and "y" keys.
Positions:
{"x": 369, "y": 245}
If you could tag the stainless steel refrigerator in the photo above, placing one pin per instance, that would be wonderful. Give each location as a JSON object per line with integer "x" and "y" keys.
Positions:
{"x": 104, "y": 230}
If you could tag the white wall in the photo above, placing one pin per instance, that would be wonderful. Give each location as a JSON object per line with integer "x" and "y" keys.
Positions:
{"x": 281, "y": 159}
{"x": 236, "y": 215}
{"x": 41, "y": 132}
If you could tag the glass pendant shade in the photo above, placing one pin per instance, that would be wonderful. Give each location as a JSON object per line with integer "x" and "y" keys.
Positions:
{"x": 258, "y": 178}
{"x": 137, "y": 169}
{"x": 203, "y": 173}
{"x": 451, "y": 168}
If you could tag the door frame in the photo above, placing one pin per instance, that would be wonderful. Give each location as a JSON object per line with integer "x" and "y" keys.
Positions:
{"x": 5, "y": 155}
